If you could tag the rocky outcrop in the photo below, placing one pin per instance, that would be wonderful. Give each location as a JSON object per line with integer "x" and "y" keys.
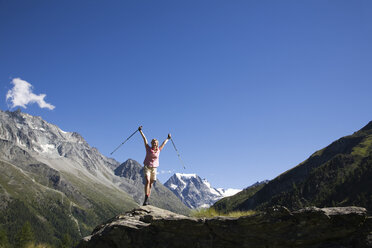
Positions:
{"x": 278, "y": 227}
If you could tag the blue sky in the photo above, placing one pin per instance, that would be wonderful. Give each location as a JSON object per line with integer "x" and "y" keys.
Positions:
{"x": 248, "y": 89}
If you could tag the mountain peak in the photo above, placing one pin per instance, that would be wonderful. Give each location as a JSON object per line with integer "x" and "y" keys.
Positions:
{"x": 130, "y": 160}
{"x": 129, "y": 169}
{"x": 16, "y": 115}
{"x": 41, "y": 138}
{"x": 195, "y": 192}
{"x": 367, "y": 127}
{"x": 187, "y": 176}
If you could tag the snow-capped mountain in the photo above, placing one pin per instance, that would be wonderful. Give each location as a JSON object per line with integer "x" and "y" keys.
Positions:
{"x": 63, "y": 151}
{"x": 69, "y": 153}
{"x": 43, "y": 167}
{"x": 195, "y": 192}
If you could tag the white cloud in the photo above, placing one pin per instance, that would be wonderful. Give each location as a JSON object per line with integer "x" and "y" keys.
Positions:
{"x": 21, "y": 95}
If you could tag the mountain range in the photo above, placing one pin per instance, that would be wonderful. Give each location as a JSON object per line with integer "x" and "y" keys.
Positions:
{"x": 337, "y": 175}
{"x": 195, "y": 192}
{"x": 161, "y": 196}
{"x": 61, "y": 185}
{"x": 54, "y": 180}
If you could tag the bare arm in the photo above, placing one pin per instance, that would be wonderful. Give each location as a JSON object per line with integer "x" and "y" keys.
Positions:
{"x": 165, "y": 142}
{"x": 143, "y": 136}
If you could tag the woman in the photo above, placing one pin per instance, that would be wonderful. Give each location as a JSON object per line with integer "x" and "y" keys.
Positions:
{"x": 151, "y": 162}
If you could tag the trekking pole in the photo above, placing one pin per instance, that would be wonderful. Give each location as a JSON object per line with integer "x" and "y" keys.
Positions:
{"x": 125, "y": 141}
{"x": 178, "y": 154}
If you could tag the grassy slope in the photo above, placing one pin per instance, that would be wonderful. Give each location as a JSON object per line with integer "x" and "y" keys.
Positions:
{"x": 29, "y": 201}
{"x": 228, "y": 204}
{"x": 211, "y": 212}
{"x": 51, "y": 213}
{"x": 343, "y": 179}
{"x": 338, "y": 175}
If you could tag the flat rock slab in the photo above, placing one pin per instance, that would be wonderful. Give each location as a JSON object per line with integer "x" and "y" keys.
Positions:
{"x": 150, "y": 226}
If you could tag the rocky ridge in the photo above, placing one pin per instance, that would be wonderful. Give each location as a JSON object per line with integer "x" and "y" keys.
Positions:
{"x": 277, "y": 227}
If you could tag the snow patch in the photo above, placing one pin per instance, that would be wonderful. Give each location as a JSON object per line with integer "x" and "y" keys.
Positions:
{"x": 207, "y": 183}
{"x": 20, "y": 143}
{"x": 47, "y": 148}
{"x": 228, "y": 192}
{"x": 173, "y": 186}
{"x": 204, "y": 206}
{"x": 64, "y": 132}
{"x": 183, "y": 184}
{"x": 186, "y": 176}
{"x": 211, "y": 189}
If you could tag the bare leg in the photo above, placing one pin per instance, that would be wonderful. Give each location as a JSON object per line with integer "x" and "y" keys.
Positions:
{"x": 148, "y": 186}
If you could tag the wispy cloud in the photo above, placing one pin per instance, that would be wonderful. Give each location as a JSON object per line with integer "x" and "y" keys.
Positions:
{"x": 165, "y": 172}
{"x": 21, "y": 95}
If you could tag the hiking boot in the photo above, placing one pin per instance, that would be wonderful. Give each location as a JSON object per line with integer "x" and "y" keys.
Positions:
{"x": 146, "y": 202}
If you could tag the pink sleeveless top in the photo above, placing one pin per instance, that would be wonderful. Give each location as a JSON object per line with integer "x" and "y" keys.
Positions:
{"x": 152, "y": 157}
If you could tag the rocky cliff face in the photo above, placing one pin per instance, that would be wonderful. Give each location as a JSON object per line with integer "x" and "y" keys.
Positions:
{"x": 47, "y": 143}
{"x": 278, "y": 227}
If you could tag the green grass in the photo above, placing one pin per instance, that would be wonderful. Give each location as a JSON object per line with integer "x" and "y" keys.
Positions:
{"x": 364, "y": 148}
{"x": 229, "y": 204}
{"x": 211, "y": 212}
{"x": 51, "y": 212}
{"x": 112, "y": 199}
{"x": 104, "y": 202}
{"x": 38, "y": 246}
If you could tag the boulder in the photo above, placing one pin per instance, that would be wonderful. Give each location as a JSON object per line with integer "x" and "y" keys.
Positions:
{"x": 150, "y": 226}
